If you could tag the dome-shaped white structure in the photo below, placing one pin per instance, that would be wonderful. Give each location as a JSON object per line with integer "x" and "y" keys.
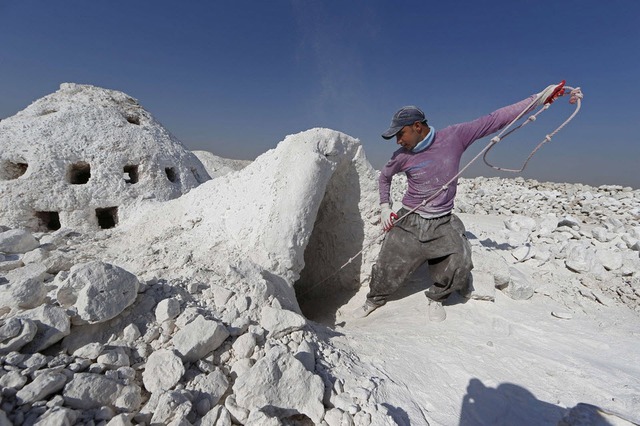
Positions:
{"x": 74, "y": 158}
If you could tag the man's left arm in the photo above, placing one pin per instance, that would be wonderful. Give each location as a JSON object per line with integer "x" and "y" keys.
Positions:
{"x": 486, "y": 125}
{"x": 497, "y": 120}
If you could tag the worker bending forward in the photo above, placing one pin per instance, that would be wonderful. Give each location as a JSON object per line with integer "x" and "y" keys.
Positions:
{"x": 431, "y": 233}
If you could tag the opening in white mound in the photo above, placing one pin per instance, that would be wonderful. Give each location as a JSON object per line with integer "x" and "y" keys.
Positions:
{"x": 131, "y": 173}
{"x": 172, "y": 175}
{"x": 337, "y": 236}
{"x": 107, "y": 217}
{"x": 133, "y": 119}
{"x": 10, "y": 170}
{"x": 79, "y": 173}
{"x": 48, "y": 220}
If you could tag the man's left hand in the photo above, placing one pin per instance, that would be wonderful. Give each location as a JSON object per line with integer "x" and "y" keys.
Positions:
{"x": 550, "y": 93}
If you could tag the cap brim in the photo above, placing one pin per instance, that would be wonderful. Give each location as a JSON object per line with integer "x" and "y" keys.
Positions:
{"x": 391, "y": 132}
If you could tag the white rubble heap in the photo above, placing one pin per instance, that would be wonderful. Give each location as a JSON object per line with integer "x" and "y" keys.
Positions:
{"x": 188, "y": 311}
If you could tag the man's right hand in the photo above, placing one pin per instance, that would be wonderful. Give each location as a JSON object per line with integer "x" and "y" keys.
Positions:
{"x": 387, "y": 216}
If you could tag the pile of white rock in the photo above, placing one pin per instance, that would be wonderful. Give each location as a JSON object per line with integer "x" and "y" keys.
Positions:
{"x": 592, "y": 234}
{"x": 91, "y": 343}
{"x": 84, "y": 341}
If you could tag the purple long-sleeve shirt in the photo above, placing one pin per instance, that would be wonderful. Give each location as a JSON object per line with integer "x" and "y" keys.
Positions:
{"x": 428, "y": 170}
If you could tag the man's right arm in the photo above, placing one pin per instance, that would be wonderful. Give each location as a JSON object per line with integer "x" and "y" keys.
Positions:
{"x": 384, "y": 181}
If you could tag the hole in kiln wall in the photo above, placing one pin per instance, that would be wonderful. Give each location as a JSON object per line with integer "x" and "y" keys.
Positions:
{"x": 49, "y": 220}
{"x": 107, "y": 217}
{"x": 10, "y": 170}
{"x": 171, "y": 173}
{"x": 131, "y": 173}
{"x": 133, "y": 119}
{"x": 79, "y": 173}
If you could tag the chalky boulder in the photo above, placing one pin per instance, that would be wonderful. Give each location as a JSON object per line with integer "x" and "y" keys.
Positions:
{"x": 98, "y": 291}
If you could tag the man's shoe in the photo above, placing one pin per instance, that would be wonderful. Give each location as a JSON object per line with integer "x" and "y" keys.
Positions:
{"x": 436, "y": 311}
{"x": 364, "y": 310}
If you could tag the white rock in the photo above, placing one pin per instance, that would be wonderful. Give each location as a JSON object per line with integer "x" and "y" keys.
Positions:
{"x": 520, "y": 288}
{"x": 259, "y": 418}
{"x": 15, "y": 333}
{"x": 517, "y": 223}
{"x": 89, "y": 351}
{"x": 238, "y": 414}
{"x": 211, "y": 386}
{"x": 198, "y": 338}
{"x": 582, "y": 258}
{"x": 611, "y": 260}
{"x": 16, "y": 240}
{"x": 241, "y": 366}
{"x": 492, "y": 263}
{"x": 131, "y": 333}
{"x": 523, "y": 253}
{"x": 88, "y": 391}
{"x": 99, "y": 291}
{"x": 25, "y": 288}
{"x": 484, "y": 286}
{"x": 602, "y": 234}
{"x": 41, "y": 387}
{"x": 279, "y": 380}
{"x": 13, "y": 379}
{"x": 220, "y": 295}
{"x": 547, "y": 225}
{"x": 562, "y": 315}
{"x": 217, "y": 416}
{"x": 172, "y": 406}
{"x": 167, "y": 309}
{"x": 306, "y": 355}
{"x": 11, "y": 262}
{"x": 57, "y": 416}
{"x": 114, "y": 358}
{"x": 333, "y": 417}
{"x": 279, "y": 322}
{"x": 121, "y": 420}
{"x": 162, "y": 371}
{"x": 38, "y": 255}
{"x": 244, "y": 345}
{"x": 569, "y": 221}
{"x": 52, "y": 322}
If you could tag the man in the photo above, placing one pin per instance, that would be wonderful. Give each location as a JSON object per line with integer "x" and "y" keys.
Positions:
{"x": 431, "y": 233}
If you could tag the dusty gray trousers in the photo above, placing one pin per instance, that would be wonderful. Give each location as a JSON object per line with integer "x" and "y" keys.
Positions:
{"x": 415, "y": 240}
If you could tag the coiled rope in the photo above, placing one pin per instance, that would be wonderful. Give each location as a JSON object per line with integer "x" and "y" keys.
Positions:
{"x": 575, "y": 98}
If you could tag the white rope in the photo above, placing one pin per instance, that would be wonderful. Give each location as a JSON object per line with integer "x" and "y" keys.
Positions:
{"x": 576, "y": 97}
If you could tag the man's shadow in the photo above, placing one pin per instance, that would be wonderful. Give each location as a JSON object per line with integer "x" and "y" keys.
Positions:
{"x": 507, "y": 404}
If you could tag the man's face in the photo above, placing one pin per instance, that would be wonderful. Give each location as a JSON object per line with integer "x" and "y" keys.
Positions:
{"x": 408, "y": 137}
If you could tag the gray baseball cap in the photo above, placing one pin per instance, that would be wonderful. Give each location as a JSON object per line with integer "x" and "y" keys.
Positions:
{"x": 405, "y": 116}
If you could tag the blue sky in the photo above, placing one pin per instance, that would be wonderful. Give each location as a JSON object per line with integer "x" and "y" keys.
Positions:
{"x": 236, "y": 77}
